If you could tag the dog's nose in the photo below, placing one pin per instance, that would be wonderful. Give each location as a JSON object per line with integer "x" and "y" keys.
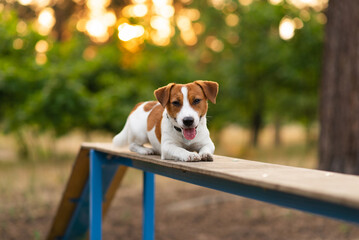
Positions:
{"x": 188, "y": 121}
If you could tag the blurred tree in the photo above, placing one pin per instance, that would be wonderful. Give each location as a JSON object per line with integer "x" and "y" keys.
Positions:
{"x": 17, "y": 68}
{"x": 63, "y": 11}
{"x": 271, "y": 79}
{"x": 339, "y": 102}
{"x": 75, "y": 81}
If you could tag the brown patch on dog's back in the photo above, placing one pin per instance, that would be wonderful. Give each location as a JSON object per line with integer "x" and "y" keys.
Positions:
{"x": 149, "y": 106}
{"x": 154, "y": 120}
{"x": 196, "y": 92}
{"x": 137, "y": 105}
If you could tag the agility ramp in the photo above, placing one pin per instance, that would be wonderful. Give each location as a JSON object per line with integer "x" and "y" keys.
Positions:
{"x": 99, "y": 169}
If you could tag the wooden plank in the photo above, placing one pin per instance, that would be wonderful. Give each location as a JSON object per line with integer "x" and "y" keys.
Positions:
{"x": 326, "y": 186}
{"x": 72, "y": 192}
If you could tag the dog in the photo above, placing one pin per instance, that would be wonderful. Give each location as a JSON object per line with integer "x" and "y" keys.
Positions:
{"x": 175, "y": 125}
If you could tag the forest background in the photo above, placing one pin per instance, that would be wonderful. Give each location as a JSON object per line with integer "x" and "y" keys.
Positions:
{"x": 83, "y": 65}
{"x": 72, "y": 70}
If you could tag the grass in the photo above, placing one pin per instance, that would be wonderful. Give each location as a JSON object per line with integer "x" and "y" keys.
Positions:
{"x": 39, "y": 180}
{"x": 298, "y": 155}
{"x": 42, "y": 180}
{"x": 293, "y": 151}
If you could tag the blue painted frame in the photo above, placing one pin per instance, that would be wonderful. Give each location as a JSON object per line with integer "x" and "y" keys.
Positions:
{"x": 148, "y": 222}
{"x": 79, "y": 223}
{"x": 96, "y": 196}
{"x": 97, "y": 163}
{"x": 103, "y": 167}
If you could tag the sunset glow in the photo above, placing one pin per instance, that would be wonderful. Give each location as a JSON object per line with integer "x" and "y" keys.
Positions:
{"x": 99, "y": 20}
{"x": 156, "y": 20}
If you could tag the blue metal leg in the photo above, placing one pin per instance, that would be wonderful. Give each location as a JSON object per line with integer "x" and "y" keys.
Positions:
{"x": 148, "y": 223}
{"x": 95, "y": 196}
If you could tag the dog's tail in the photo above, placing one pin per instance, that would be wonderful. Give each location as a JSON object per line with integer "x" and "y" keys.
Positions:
{"x": 121, "y": 139}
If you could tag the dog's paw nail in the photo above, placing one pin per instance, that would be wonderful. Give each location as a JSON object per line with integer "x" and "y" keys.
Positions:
{"x": 206, "y": 157}
{"x": 148, "y": 151}
{"x": 193, "y": 158}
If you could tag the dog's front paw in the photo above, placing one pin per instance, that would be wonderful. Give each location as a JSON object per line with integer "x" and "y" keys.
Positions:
{"x": 208, "y": 157}
{"x": 148, "y": 151}
{"x": 141, "y": 149}
{"x": 192, "y": 157}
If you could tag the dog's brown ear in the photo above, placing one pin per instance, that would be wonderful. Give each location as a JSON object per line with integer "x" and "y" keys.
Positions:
{"x": 163, "y": 94}
{"x": 209, "y": 88}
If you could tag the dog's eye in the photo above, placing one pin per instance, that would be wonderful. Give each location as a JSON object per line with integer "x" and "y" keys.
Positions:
{"x": 196, "y": 101}
{"x": 176, "y": 103}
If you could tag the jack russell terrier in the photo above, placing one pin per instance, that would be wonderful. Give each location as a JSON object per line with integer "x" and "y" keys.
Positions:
{"x": 175, "y": 126}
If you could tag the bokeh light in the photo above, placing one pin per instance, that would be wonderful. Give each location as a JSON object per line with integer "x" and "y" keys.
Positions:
{"x": 298, "y": 23}
{"x": 99, "y": 20}
{"x": 214, "y": 44}
{"x": 232, "y": 20}
{"x": 18, "y": 43}
{"x": 41, "y": 58}
{"x": 156, "y": 20}
{"x": 318, "y": 5}
{"x": 45, "y": 21}
{"x": 245, "y": 2}
{"x": 89, "y": 53}
{"x": 218, "y": 4}
{"x": 126, "y": 32}
{"x": 187, "y": 32}
{"x": 21, "y": 28}
{"x": 25, "y": 2}
{"x": 41, "y": 46}
{"x": 275, "y": 2}
{"x": 137, "y": 10}
{"x": 286, "y": 28}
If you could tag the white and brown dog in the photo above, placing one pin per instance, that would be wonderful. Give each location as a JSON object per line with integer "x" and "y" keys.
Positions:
{"x": 175, "y": 126}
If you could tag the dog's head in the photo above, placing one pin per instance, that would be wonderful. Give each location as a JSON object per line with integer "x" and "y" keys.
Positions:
{"x": 186, "y": 104}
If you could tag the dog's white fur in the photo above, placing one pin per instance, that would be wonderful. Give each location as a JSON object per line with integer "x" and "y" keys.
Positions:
{"x": 173, "y": 145}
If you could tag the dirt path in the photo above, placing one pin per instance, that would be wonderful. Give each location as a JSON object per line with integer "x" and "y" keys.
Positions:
{"x": 183, "y": 211}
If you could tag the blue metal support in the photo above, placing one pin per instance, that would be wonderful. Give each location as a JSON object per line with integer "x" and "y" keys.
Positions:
{"x": 95, "y": 196}
{"x": 148, "y": 221}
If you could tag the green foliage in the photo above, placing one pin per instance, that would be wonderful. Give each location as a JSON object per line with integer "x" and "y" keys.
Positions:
{"x": 17, "y": 69}
{"x": 261, "y": 74}
{"x": 270, "y": 76}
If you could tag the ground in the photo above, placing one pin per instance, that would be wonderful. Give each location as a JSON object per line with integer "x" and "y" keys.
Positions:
{"x": 183, "y": 211}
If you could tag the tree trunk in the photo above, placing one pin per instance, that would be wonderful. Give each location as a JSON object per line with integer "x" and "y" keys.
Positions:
{"x": 339, "y": 97}
{"x": 277, "y": 132}
{"x": 63, "y": 11}
{"x": 257, "y": 123}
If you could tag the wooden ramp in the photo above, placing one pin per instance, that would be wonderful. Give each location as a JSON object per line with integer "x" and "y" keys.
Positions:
{"x": 325, "y": 193}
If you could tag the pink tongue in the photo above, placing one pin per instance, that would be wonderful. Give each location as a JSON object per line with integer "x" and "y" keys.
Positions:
{"x": 189, "y": 133}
